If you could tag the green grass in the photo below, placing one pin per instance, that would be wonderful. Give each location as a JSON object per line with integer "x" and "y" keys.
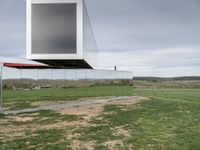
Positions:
{"x": 187, "y": 95}
{"x": 100, "y": 147}
{"x": 45, "y": 117}
{"x": 42, "y": 139}
{"x": 99, "y": 133}
{"x": 169, "y": 120}
{"x": 71, "y": 93}
{"x": 22, "y": 99}
{"x": 2, "y": 116}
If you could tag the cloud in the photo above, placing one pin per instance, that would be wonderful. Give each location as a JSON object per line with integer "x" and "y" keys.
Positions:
{"x": 145, "y": 24}
{"x": 148, "y": 37}
{"x": 166, "y": 62}
{"x": 12, "y": 28}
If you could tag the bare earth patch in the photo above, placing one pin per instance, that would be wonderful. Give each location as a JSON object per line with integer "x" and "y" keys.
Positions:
{"x": 63, "y": 124}
{"x": 89, "y": 111}
{"x": 112, "y": 145}
{"x": 77, "y": 145}
{"x": 14, "y": 131}
{"x": 120, "y": 131}
{"x": 21, "y": 119}
{"x": 94, "y": 110}
{"x": 129, "y": 102}
{"x": 46, "y": 103}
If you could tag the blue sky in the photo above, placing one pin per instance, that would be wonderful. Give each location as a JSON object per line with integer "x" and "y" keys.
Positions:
{"x": 148, "y": 37}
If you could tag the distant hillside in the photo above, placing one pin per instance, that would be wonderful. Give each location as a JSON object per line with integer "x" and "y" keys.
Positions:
{"x": 155, "y": 79}
{"x": 192, "y": 82}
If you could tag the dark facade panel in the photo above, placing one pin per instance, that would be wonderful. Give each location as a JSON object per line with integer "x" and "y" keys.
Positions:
{"x": 54, "y": 28}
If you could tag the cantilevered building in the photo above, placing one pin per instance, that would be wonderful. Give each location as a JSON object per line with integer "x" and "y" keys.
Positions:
{"x": 59, "y": 34}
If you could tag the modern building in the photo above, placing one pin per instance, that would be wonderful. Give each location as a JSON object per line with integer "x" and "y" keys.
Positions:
{"x": 59, "y": 34}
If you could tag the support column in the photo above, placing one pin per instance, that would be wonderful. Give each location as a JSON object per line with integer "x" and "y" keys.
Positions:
{"x": 1, "y": 87}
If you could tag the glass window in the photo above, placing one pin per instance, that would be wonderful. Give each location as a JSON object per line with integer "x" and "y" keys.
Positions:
{"x": 54, "y": 28}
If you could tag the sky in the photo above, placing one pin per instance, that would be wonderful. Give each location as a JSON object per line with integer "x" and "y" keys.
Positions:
{"x": 148, "y": 37}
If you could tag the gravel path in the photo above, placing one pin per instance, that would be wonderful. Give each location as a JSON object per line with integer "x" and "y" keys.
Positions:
{"x": 70, "y": 104}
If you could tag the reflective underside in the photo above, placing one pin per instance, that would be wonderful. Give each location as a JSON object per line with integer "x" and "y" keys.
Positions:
{"x": 67, "y": 64}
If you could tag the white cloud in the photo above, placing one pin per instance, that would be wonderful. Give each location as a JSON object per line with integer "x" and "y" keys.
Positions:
{"x": 148, "y": 37}
{"x": 166, "y": 62}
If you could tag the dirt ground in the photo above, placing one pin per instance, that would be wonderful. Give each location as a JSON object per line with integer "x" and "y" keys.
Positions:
{"x": 16, "y": 126}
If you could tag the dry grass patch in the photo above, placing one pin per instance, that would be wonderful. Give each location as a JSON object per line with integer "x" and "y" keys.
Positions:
{"x": 75, "y": 125}
{"x": 94, "y": 110}
{"x": 113, "y": 145}
{"x": 77, "y": 145}
{"x": 120, "y": 131}
{"x": 89, "y": 111}
{"x": 21, "y": 119}
{"x": 63, "y": 124}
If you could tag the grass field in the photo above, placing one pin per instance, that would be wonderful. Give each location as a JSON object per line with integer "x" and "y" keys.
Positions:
{"x": 169, "y": 120}
{"x": 19, "y": 99}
